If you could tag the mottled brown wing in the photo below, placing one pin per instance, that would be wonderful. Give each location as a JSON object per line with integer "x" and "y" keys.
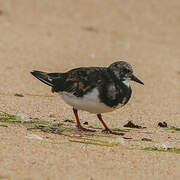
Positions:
{"x": 79, "y": 81}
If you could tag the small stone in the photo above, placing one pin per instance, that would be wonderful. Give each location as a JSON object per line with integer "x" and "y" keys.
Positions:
{"x": 19, "y": 95}
{"x": 33, "y": 136}
{"x": 22, "y": 117}
{"x": 35, "y": 119}
{"x": 165, "y": 147}
{"x": 70, "y": 121}
{"x": 90, "y": 28}
{"x": 85, "y": 123}
{"x": 84, "y": 147}
{"x": 132, "y": 125}
{"x": 146, "y": 139}
{"x": 162, "y": 124}
{"x": 119, "y": 140}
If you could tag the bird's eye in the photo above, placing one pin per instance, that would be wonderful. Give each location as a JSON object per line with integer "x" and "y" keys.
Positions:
{"x": 126, "y": 70}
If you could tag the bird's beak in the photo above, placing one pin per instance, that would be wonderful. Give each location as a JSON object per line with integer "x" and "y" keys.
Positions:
{"x": 134, "y": 78}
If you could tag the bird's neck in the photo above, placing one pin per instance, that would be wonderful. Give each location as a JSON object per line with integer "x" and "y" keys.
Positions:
{"x": 126, "y": 82}
{"x": 117, "y": 77}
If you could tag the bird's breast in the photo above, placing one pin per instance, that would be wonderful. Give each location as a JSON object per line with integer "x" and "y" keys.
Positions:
{"x": 89, "y": 102}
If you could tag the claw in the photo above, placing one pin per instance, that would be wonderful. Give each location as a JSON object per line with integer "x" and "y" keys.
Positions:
{"x": 108, "y": 131}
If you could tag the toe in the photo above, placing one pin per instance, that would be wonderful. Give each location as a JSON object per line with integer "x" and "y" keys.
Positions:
{"x": 108, "y": 131}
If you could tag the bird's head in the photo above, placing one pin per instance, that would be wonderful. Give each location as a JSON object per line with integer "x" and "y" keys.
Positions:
{"x": 123, "y": 71}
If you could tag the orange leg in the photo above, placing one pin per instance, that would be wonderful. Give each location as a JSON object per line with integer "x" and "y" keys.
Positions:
{"x": 78, "y": 122}
{"x": 104, "y": 124}
{"x": 107, "y": 130}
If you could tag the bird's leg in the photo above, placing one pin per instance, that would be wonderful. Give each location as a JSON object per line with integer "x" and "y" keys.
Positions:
{"x": 107, "y": 130}
{"x": 78, "y": 122}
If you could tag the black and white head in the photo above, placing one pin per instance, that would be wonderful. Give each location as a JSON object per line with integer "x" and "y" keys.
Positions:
{"x": 123, "y": 71}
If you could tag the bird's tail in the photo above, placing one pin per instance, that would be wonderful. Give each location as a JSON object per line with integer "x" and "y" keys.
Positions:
{"x": 43, "y": 77}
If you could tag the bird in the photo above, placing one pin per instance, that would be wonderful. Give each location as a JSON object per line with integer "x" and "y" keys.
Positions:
{"x": 94, "y": 89}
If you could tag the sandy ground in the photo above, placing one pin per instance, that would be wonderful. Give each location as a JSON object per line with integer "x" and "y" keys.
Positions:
{"x": 56, "y": 36}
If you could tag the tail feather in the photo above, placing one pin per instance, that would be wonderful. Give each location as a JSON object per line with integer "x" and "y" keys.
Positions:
{"x": 43, "y": 77}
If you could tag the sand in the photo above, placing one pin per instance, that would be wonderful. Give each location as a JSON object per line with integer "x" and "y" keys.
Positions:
{"x": 56, "y": 36}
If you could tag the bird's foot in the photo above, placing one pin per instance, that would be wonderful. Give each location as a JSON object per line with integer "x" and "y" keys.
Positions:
{"x": 108, "y": 131}
{"x": 84, "y": 129}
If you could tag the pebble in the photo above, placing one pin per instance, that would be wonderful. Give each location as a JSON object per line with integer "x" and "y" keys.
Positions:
{"x": 85, "y": 123}
{"x": 119, "y": 140}
{"x": 132, "y": 125}
{"x": 165, "y": 146}
{"x": 19, "y": 95}
{"x": 22, "y": 117}
{"x": 162, "y": 124}
{"x": 33, "y": 136}
{"x": 146, "y": 139}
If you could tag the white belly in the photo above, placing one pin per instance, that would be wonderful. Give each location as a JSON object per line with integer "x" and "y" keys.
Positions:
{"x": 89, "y": 102}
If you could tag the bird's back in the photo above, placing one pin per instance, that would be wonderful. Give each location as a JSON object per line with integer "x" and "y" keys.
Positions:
{"x": 78, "y": 81}
{"x": 81, "y": 81}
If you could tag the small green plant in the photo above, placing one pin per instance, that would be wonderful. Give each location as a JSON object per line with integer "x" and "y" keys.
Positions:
{"x": 174, "y": 128}
{"x": 3, "y": 125}
{"x": 11, "y": 118}
{"x": 176, "y": 150}
{"x": 6, "y": 115}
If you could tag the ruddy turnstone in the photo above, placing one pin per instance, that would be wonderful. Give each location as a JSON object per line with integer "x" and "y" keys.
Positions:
{"x": 93, "y": 89}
